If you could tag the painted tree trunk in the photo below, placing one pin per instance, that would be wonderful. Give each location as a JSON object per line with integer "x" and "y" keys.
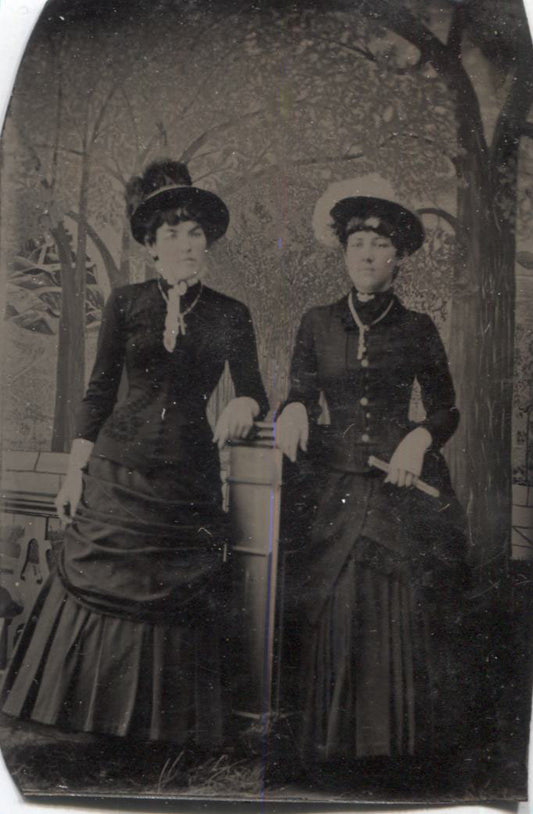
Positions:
{"x": 482, "y": 329}
{"x": 70, "y": 380}
{"x": 62, "y": 428}
{"x": 481, "y": 356}
{"x": 77, "y": 372}
{"x": 114, "y": 275}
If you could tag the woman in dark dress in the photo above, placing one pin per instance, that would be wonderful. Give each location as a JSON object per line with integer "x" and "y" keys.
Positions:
{"x": 380, "y": 549}
{"x": 125, "y": 638}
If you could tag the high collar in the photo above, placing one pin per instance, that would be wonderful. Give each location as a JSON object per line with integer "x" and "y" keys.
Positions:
{"x": 369, "y": 311}
{"x": 188, "y": 297}
{"x": 371, "y": 308}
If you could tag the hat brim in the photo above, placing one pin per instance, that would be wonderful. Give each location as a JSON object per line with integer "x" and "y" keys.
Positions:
{"x": 407, "y": 225}
{"x": 213, "y": 209}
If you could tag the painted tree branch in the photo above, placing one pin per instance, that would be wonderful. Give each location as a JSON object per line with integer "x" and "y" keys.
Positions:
{"x": 304, "y": 162}
{"x": 130, "y": 110}
{"x": 57, "y": 128}
{"x": 57, "y": 148}
{"x": 351, "y": 49}
{"x": 113, "y": 273}
{"x": 397, "y": 18}
{"x": 117, "y": 173}
{"x": 513, "y": 115}
{"x": 440, "y": 213}
{"x": 455, "y": 34}
{"x": 412, "y": 135}
{"x": 189, "y": 152}
{"x": 215, "y": 71}
{"x": 103, "y": 108}
{"x": 160, "y": 135}
{"x": 37, "y": 163}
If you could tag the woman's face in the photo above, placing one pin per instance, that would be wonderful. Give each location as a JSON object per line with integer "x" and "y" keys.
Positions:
{"x": 371, "y": 261}
{"x": 179, "y": 250}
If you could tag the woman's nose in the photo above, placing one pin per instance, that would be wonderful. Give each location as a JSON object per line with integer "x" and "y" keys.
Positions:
{"x": 184, "y": 243}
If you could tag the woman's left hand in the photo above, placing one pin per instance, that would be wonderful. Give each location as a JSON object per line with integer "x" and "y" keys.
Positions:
{"x": 236, "y": 420}
{"x": 408, "y": 458}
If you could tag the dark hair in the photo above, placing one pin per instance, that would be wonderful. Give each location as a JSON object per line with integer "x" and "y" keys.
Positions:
{"x": 173, "y": 216}
{"x": 344, "y": 228}
{"x": 157, "y": 175}
{"x": 164, "y": 193}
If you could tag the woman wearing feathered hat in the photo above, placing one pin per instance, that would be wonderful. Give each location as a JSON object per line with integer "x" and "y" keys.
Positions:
{"x": 126, "y": 639}
{"x": 377, "y": 543}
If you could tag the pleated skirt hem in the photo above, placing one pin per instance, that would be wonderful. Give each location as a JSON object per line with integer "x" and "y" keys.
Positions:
{"x": 365, "y": 677}
{"x": 84, "y": 671}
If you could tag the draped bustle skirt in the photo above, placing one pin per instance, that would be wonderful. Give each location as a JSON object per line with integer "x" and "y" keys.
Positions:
{"x": 124, "y": 638}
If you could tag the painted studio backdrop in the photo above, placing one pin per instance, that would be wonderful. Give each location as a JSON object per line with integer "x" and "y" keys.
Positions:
{"x": 268, "y": 106}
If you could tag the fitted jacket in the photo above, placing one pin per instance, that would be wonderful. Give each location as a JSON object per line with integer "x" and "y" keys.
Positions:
{"x": 162, "y": 418}
{"x": 345, "y": 501}
{"x": 368, "y": 399}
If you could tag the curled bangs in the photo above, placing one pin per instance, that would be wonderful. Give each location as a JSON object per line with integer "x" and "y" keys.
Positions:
{"x": 178, "y": 214}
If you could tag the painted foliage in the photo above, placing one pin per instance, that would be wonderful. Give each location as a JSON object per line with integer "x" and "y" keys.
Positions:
{"x": 268, "y": 105}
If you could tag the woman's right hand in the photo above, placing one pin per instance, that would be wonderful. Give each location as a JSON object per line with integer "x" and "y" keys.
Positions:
{"x": 292, "y": 430}
{"x": 69, "y": 496}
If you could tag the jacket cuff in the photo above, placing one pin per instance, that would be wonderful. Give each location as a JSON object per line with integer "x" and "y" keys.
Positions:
{"x": 441, "y": 426}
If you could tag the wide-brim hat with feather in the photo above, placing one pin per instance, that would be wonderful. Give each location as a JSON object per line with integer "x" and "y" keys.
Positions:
{"x": 371, "y": 203}
{"x": 167, "y": 185}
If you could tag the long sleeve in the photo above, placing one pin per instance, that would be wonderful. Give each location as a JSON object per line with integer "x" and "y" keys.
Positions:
{"x": 102, "y": 390}
{"x": 243, "y": 361}
{"x": 304, "y": 370}
{"x": 437, "y": 390}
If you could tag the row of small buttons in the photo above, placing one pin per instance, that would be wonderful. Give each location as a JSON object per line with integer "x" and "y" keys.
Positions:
{"x": 365, "y": 437}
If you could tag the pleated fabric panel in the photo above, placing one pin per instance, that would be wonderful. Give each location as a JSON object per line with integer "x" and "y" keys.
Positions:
{"x": 365, "y": 669}
{"x": 93, "y": 672}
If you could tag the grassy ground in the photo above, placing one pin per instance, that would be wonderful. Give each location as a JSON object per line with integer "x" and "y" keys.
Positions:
{"x": 45, "y": 762}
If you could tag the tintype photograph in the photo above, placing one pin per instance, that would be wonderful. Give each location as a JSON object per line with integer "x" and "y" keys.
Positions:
{"x": 266, "y": 434}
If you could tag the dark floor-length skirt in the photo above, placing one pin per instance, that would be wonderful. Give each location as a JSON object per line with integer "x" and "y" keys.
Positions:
{"x": 364, "y": 673}
{"x": 367, "y": 685}
{"x": 125, "y": 637}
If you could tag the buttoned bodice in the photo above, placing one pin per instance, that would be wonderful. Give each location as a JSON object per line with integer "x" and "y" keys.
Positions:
{"x": 162, "y": 418}
{"x": 368, "y": 398}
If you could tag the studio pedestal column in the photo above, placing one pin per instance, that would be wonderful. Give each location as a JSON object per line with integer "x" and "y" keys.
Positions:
{"x": 254, "y": 504}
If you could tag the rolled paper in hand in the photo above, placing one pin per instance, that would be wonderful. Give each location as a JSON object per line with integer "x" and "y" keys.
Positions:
{"x": 418, "y": 484}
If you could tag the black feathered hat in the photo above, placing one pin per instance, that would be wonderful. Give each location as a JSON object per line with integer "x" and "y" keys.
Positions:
{"x": 167, "y": 185}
